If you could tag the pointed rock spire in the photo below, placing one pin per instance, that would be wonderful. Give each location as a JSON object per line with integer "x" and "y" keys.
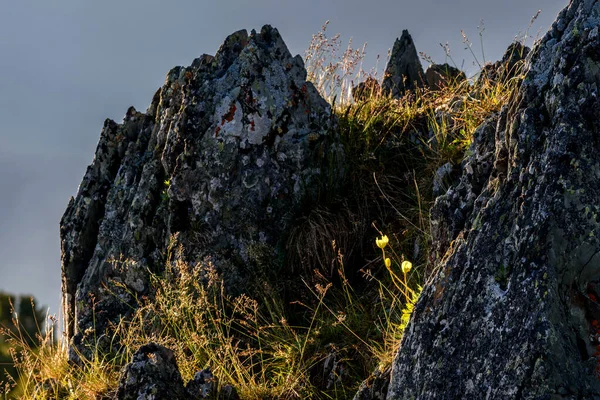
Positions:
{"x": 404, "y": 71}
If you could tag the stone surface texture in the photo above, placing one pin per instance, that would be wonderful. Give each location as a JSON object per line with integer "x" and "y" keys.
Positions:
{"x": 228, "y": 150}
{"x": 151, "y": 375}
{"x": 512, "y": 311}
{"x": 404, "y": 71}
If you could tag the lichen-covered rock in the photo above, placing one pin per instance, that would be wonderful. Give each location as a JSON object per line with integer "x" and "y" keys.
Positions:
{"x": 404, "y": 71}
{"x": 512, "y": 312}
{"x": 452, "y": 209}
{"x": 151, "y": 375}
{"x": 439, "y": 76}
{"x": 202, "y": 386}
{"x": 217, "y": 166}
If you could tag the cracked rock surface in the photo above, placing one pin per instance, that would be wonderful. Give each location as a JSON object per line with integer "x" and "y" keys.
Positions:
{"x": 512, "y": 311}
{"x": 217, "y": 166}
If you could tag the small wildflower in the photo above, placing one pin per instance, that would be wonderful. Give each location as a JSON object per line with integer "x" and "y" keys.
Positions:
{"x": 381, "y": 243}
{"x": 406, "y": 266}
{"x": 388, "y": 262}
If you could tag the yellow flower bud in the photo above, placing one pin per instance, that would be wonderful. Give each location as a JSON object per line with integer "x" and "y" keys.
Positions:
{"x": 406, "y": 266}
{"x": 388, "y": 262}
{"x": 381, "y": 243}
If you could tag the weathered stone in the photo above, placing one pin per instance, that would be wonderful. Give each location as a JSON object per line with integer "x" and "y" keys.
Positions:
{"x": 508, "y": 67}
{"x": 442, "y": 178}
{"x": 228, "y": 392}
{"x": 441, "y": 75}
{"x": 367, "y": 89}
{"x": 452, "y": 209}
{"x": 375, "y": 387}
{"x": 202, "y": 386}
{"x": 512, "y": 312}
{"x": 151, "y": 375}
{"x": 220, "y": 162}
{"x": 404, "y": 71}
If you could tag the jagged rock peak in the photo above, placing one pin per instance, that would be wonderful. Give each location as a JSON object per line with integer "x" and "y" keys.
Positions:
{"x": 513, "y": 312}
{"x": 218, "y": 165}
{"x": 404, "y": 71}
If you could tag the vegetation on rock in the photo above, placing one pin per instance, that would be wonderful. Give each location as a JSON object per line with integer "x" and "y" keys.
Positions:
{"x": 329, "y": 302}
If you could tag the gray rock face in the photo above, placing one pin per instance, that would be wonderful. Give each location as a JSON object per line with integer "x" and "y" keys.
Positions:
{"x": 451, "y": 211}
{"x": 512, "y": 312}
{"x": 151, "y": 375}
{"x": 404, "y": 71}
{"x": 223, "y": 157}
{"x": 441, "y": 75}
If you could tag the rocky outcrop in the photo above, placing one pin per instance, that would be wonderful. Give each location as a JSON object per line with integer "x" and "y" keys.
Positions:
{"x": 228, "y": 150}
{"x": 404, "y": 71}
{"x": 439, "y": 76}
{"x": 452, "y": 209}
{"x": 367, "y": 89}
{"x": 508, "y": 67}
{"x": 152, "y": 374}
{"x": 512, "y": 311}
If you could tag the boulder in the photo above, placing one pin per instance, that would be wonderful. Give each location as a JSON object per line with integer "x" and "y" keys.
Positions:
{"x": 219, "y": 164}
{"x": 512, "y": 311}
{"x": 151, "y": 375}
{"x": 367, "y": 89}
{"x": 404, "y": 71}
{"x": 441, "y": 75}
{"x": 203, "y": 386}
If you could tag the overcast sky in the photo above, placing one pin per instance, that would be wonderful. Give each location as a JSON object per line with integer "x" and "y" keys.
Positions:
{"x": 66, "y": 65}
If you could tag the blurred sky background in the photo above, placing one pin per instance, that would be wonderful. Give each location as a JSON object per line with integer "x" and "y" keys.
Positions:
{"x": 66, "y": 65}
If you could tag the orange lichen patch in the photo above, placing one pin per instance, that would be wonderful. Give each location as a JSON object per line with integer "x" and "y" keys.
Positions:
{"x": 252, "y": 125}
{"x": 217, "y": 131}
{"x": 230, "y": 114}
